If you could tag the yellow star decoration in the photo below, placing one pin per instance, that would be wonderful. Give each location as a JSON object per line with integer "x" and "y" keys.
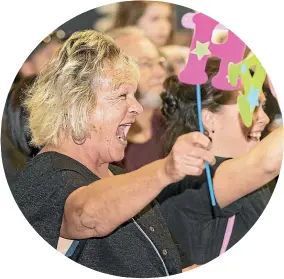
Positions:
{"x": 201, "y": 49}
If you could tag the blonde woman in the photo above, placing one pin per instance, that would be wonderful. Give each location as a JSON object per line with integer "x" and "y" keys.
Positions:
{"x": 80, "y": 110}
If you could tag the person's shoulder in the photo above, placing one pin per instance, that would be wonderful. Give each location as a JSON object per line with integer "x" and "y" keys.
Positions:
{"x": 48, "y": 163}
{"x": 219, "y": 161}
{"x": 54, "y": 161}
{"x": 36, "y": 167}
{"x": 48, "y": 178}
{"x": 50, "y": 167}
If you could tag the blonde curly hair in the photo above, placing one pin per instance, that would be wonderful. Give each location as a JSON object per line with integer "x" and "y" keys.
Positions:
{"x": 64, "y": 94}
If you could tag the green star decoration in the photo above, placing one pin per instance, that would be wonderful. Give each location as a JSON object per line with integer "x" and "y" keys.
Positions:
{"x": 201, "y": 49}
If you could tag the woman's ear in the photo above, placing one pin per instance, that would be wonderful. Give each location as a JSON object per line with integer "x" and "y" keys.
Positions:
{"x": 208, "y": 119}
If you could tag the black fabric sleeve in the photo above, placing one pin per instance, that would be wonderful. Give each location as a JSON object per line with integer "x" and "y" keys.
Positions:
{"x": 43, "y": 203}
{"x": 197, "y": 226}
{"x": 231, "y": 209}
{"x": 192, "y": 194}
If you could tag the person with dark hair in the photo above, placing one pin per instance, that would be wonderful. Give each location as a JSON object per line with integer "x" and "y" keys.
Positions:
{"x": 15, "y": 136}
{"x": 156, "y": 19}
{"x": 197, "y": 227}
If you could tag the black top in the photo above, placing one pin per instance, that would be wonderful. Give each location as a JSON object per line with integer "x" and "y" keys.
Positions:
{"x": 41, "y": 191}
{"x": 199, "y": 230}
{"x": 12, "y": 157}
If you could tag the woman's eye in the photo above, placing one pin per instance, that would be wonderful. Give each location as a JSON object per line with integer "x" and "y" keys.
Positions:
{"x": 145, "y": 64}
{"x": 123, "y": 96}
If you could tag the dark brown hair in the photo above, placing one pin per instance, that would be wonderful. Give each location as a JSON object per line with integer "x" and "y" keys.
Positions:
{"x": 17, "y": 127}
{"x": 130, "y": 12}
{"x": 180, "y": 104}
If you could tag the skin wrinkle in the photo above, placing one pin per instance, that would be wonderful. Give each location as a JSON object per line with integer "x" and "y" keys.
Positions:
{"x": 115, "y": 78}
{"x": 111, "y": 103}
{"x": 114, "y": 103}
{"x": 112, "y": 82}
{"x": 75, "y": 72}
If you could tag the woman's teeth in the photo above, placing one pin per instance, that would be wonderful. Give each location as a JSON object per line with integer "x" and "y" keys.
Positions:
{"x": 122, "y": 132}
{"x": 254, "y": 136}
{"x": 126, "y": 129}
{"x": 122, "y": 140}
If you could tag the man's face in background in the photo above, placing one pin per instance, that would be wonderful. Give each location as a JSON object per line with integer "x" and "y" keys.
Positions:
{"x": 151, "y": 65}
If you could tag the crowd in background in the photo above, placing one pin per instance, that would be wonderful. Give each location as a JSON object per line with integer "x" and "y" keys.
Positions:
{"x": 163, "y": 52}
{"x": 47, "y": 113}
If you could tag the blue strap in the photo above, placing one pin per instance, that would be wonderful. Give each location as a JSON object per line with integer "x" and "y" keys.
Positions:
{"x": 72, "y": 248}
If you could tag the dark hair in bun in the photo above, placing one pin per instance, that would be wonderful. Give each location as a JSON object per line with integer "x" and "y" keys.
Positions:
{"x": 180, "y": 104}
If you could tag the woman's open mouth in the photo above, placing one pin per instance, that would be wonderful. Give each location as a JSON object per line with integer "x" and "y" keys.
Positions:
{"x": 122, "y": 131}
{"x": 255, "y": 136}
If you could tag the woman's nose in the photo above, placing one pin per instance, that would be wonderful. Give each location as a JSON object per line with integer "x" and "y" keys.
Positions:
{"x": 262, "y": 116}
{"x": 135, "y": 106}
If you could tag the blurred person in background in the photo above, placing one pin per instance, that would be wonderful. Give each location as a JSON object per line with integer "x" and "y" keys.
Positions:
{"x": 15, "y": 136}
{"x": 16, "y": 149}
{"x": 276, "y": 122}
{"x": 41, "y": 55}
{"x": 176, "y": 56}
{"x": 144, "y": 136}
{"x": 26, "y": 70}
{"x": 44, "y": 52}
{"x": 155, "y": 19}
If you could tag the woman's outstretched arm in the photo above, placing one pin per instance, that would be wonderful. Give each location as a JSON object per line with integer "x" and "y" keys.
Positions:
{"x": 240, "y": 176}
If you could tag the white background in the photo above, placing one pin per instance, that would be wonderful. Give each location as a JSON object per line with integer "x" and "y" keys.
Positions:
{"x": 25, "y": 23}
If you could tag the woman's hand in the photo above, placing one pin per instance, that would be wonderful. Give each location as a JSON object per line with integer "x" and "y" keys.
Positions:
{"x": 188, "y": 156}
